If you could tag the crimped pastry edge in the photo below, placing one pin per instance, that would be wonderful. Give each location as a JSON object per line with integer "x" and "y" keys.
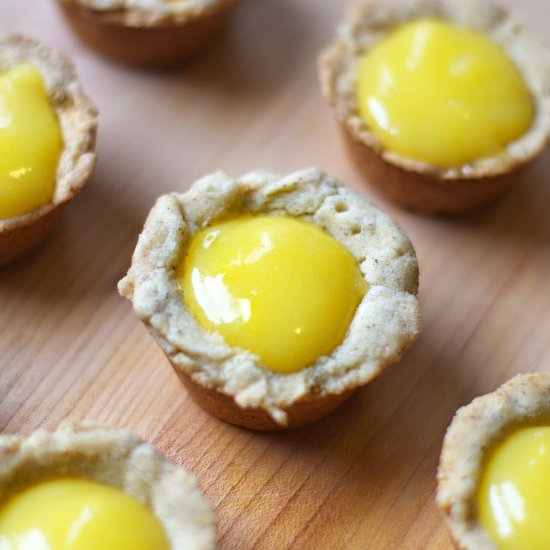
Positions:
{"x": 77, "y": 117}
{"x": 369, "y": 20}
{"x": 386, "y": 322}
{"x": 476, "y": 428}
{"x": 114, "y": 457}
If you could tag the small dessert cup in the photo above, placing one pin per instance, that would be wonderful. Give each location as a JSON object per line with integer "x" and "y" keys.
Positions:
{"x": 478, "y": 432}
{"x": 112, "y": 457}
{"x": 414, "y": 183}
{"x": 147, "y": 33}
{"x": 78, "y": 121}
{"x": 232, "y": 383}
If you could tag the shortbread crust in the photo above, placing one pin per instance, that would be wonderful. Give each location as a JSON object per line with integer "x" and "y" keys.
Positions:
{"x": 149, "y": 33}
{"x": 386, "y": 322}
{"x": 78, "y": 120}
{"x": 150, "y": 12}
{"x": 437, "y": 189}
{"x": 114, "y": 457}
{"x": 475, "y": 430}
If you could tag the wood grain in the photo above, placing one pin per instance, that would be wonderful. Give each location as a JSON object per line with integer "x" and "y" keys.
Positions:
{"x": 70, "y": 346}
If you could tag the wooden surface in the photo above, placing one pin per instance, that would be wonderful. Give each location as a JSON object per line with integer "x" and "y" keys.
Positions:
{"x": 71, "y": 347}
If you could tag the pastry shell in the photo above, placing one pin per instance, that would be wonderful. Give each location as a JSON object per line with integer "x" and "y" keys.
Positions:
{"x": 78, "y": 120}
{"x": 147, "y": 32}
{"x": 413, "y": 183}
{"x": 230, "y": 382}
{"x": 474, "y": 431}
{"x": 114, "y": 457}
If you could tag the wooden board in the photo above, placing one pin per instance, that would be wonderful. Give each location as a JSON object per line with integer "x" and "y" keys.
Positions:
{"x": 71, "y": 347}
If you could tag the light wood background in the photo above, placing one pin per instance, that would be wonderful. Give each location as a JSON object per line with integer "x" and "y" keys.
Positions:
{"x": 71, "y": 347}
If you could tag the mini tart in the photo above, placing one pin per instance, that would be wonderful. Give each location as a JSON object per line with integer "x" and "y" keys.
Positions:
{"x": 78, "y": 120}
{"x": 117, "y": 458}
{"x": 230, "y": 382}
{"x": 477, "y": 428}
{"x": 413, "y": 183}
{"x": 147, "y": 32}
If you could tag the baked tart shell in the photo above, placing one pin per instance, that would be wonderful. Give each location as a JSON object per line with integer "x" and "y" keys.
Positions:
{"x": 427, "y": 193}
{"x": 475, "y": 430}
{"x": 412, "y": 183}
{"x": 78, "y": 120}
{"x": 230, "y": 382}
{"x": 23, "y": 238}
{"x": 224, "y": 407}
{"x": 137, "y": 41}
{"x": 117, "y": 458}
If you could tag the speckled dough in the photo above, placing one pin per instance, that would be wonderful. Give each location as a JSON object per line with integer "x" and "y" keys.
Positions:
{"x": 386, "y": 322}
{"x": 114, "y": 457}
{"x": 75, "y": 112}
{"x": 370, "y": 20}
{"x": 476, "y": 428}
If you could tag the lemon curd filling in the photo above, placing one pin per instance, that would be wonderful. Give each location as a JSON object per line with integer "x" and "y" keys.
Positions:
{"x": 442, "y": 95}
{"x": 30, "y": 142}
{"x": 513, "y": 498}
{"x": 70, "y": 514}
{"x": 277, "y": 286}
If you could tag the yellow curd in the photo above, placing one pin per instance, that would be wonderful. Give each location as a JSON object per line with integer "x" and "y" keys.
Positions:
{"x": 70, "y": 514}
{"x": 277, "y": 286}
{"x": 513, "y": 498}
{"x": 442, "y": 95}
{"x": 30, "y": 142}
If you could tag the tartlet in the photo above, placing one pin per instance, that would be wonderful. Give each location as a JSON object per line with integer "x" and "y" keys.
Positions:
{"x": 116, "y": 458}
{"x": 78, "y": 120}
{"x": 474, "y": 432}
{"x": 410, "y": 182}
{"x": 230, "y": 382}
{"x": 147, "y": 32}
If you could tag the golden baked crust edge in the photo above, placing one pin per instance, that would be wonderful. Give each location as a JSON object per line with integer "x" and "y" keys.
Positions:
{"x": 115, "y": 457}
{"x": 369, "y": 20}
{"x": 475, "y": 429}
{"x": 386, "y": 322}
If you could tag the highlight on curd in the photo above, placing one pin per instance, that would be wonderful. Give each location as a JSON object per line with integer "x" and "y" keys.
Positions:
{"x": 73, "y": 514}
{"x": 442, "y": 95}
{"x": 513, "y": 497}
{"x": 30, "y": 142}
{"x": 279, "y": 287}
